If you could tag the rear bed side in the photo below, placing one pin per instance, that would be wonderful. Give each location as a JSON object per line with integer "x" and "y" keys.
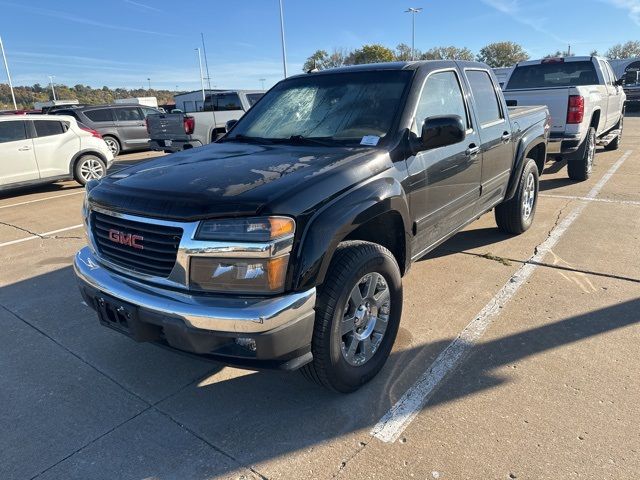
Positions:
{"x": 530, "y": 128}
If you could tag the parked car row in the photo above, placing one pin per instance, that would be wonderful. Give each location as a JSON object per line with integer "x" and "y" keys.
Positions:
{"x": 284, "y": 243}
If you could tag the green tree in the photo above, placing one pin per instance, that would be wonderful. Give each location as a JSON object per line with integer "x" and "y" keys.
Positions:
{"x": 502, "y": 54}
{"x": 403, "y": 53}
{"x": 374, "y": 53}
{"x": 447, "y": 53}
{"x": 624, "y": 50}
{"x": 323, "y": 60}
{"x": 560, "y": 53}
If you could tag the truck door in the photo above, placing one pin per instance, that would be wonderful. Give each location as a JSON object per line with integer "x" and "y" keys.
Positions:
{"x": 494, "y": 130}
{"x": 616, "y": 102}
{"x": 608, "y": 92}
{"x": 17, "y": 158}
{"x": 447, "y": 184}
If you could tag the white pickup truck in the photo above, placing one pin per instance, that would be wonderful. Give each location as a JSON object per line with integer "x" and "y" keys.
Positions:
{"x": 586, "y": 102}
{"x": 174, "y": 132}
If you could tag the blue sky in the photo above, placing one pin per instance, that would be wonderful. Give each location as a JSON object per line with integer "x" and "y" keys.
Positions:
{"x": 121, "y": 43}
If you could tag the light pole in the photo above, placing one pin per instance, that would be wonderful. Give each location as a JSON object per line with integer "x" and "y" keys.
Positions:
{"x": 284, "y": 50}
{"x": 206, "y": 61}
{"x": 413, "y": 12}
{"x": 6, "y": 67}
{"x": 149, "y": 80}
{"x": 53, "y": 88}
{"x": 262, "y": 80}
{"x": 201, "y": 77}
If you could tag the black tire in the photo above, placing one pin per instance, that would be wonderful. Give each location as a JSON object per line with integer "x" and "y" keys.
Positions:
{"x": 352, "y": 262}
{"x": 113, "y": 143}
{"x": 515, "y": 216}
{"x": 581, "y": 165}
{"x": 89, "y": 167}
{"x": 615, "y": 144}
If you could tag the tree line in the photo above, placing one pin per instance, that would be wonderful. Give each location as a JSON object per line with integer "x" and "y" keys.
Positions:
{"x": 498, "y": 54}
{"x": 26, "y": 96}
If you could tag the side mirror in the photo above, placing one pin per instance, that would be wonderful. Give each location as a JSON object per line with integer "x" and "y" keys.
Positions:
{"x": 442, "y": 131}
{"x": 619, "y": 82}
{"x": 230, "y": 124}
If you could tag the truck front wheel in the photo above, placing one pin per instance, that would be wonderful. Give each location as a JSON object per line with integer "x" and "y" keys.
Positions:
{"x": 357, "y": 317}
{"x": 516, "y": 215}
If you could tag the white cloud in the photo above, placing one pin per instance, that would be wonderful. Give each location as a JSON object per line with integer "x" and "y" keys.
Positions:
{"x": 632, "y": 7}
{"x": 525, "y": 16}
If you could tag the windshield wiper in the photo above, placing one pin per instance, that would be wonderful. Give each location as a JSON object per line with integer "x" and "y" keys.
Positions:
{"x": 302, "y": 140}
{"x": 246, "y": 139}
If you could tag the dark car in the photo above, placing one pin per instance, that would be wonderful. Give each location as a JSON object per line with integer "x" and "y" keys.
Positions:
{"x": 284, "y": 244}
{"x": 122, "y": 127}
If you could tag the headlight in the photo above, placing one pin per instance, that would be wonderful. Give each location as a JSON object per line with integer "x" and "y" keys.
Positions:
{"x": 251, "y": 229}
{"x": 259, "y": 275}
{"x": 263, "y": 274}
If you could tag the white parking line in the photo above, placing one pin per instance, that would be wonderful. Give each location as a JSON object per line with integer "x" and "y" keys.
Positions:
{"x": 41, "y": 235}
{"x": 587, "y": 199}
{"x": 394, "y": 422}
{"x": 41, "y": 199}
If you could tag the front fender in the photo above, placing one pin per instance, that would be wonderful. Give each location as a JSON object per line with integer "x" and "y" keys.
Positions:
{"x": 336, "y": 220}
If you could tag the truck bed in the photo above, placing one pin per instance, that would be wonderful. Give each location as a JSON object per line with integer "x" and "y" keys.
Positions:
{"x": 515, "y": 112}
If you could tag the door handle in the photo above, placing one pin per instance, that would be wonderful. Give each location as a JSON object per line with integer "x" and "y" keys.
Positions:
{"x": 24, "y": 149}
{"x": 472, "y": 151}
{"x": 506, "y": 136}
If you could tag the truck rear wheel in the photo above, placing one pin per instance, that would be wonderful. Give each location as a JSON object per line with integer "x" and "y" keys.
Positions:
{"x": 581, "y": 165}
{"x": 515, "y": 216}
{"x": 357, "y": 317}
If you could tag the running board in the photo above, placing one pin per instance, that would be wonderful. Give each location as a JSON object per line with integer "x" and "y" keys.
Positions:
{"x": 610, "y": 137}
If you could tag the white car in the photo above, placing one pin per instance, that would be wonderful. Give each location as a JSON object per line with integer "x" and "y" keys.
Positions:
{"x": 586, "y": 102}
{"x": 46, "y": 148}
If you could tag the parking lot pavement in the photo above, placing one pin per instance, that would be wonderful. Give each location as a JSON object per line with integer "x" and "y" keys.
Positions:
{"x": 546, "y": 388}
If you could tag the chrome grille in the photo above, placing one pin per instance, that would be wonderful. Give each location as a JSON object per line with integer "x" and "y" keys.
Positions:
{"x": 159, "y": 244}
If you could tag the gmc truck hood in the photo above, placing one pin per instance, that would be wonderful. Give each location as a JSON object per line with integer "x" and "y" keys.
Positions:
{"x": 233, "y": 179}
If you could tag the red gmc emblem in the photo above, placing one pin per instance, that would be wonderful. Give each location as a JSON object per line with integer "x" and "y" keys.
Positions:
{"x": 134, "y": 241}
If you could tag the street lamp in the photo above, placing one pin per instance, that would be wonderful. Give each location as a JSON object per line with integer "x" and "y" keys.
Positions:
{"x": 284, "y": 50}
{"x": 413, "y": 12}
{"x": 6, "y": 67}
{"x": 53, "y": 89}
{"x": 262, "y": 80}
{"x": 149, "y": 80}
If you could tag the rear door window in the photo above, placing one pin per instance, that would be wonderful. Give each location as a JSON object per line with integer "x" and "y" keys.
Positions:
{"x": 12, "y": 131}
{"x": 101, "y": 115}
{"x": 554, "y": 74}
{"x": 253, "y": 98}
{"x": 149, "y": 111}
{"x": 128, "y": 114}
{"x": 484, "y": 93}
{"x": 48, "y": 128}
{"x": 223, "y": 102}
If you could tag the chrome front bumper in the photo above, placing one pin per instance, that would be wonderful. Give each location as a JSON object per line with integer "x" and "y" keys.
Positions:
{"x": 216, "y": 313}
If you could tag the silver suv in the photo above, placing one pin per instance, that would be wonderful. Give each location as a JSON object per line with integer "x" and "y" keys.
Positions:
{"x": 122, "y": 127}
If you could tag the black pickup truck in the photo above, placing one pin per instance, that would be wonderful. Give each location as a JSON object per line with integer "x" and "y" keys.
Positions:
{"x": 283, "y": 245}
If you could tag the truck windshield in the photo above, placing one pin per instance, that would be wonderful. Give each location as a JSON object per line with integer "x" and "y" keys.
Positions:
{"x": 549, "y": 75}
{"x": 342, "y": 108}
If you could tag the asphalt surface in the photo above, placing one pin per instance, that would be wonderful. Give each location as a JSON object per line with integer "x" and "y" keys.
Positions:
{"x": 519, "y": 355}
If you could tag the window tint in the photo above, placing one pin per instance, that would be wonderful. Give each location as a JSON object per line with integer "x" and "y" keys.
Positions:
{"x": 484, "y": 94}
{"x": 149, "y": 111}
{"x": 47, "y": 128}
{"x": 128, "y": 114}
{"x": 548, "y": 75}
{"x": 102, "y": 115}
{"x": 441, "y": 96}
{"x": 12, "y": 131}
{"x": 253, "y": 98}
{"x": 223, "y": 102}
